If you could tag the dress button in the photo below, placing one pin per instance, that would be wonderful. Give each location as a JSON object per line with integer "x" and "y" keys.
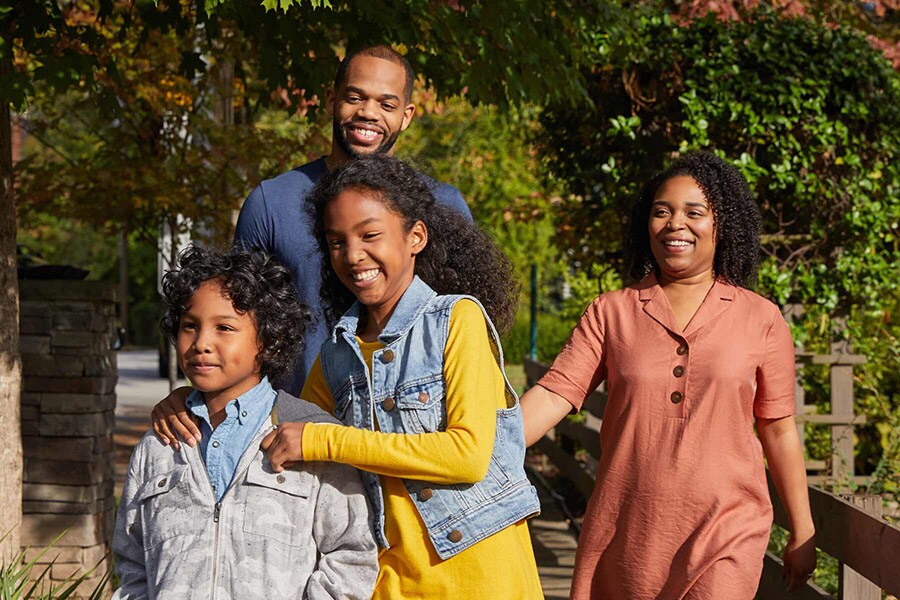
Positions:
{"x": 423, "y": 397}
{"x": 682, "y": 350}
{"x": 426, "y": 494}
{"x": 162, "y": 482}
{"x": 215, "y": 444}
{"x": 676, "y": 397}
{"x": 280, "y": 479}
{"x": 455, "y": 536}
{"x": 678, "y": 371}
{"x": 389, "y": 403}
{"x": 387, "y": 356}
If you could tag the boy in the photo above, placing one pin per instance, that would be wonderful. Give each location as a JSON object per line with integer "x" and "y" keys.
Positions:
{"x": 215, "y": 521}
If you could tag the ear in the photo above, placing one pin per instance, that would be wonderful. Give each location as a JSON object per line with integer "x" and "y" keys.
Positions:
{"x": 329, "y": 101}
{"x": 408, "y": 111}
{"x": 418, "y": 237}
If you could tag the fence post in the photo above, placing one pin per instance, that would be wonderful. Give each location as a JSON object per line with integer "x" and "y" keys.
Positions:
{"x": 842, "y": 406}
{"x": 852, "y": 585}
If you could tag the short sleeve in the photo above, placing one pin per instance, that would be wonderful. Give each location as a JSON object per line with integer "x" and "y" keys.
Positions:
{"x": 579, "y": 367}
{"x": 252, "y": 227}
{"x": 775, "y": 376}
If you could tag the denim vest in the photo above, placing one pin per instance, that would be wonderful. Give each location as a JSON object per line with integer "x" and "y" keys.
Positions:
{"x": 406, "y": 395}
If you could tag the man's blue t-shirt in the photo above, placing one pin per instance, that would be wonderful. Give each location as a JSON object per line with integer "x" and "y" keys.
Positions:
{"x": 274, "y": 218}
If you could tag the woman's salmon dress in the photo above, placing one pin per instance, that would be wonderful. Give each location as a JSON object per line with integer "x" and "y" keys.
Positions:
{"x": 681, "y": 507}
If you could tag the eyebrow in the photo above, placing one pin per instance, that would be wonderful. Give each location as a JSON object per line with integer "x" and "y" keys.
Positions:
{"x": 356, "y": 227}
{"x": 191, "y": 315}
{"x": 667, "y": 203}
{"x": 362, "y": 92}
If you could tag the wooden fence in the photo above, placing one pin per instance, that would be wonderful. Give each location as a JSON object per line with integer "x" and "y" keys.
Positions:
{"x": 849, "y": 528}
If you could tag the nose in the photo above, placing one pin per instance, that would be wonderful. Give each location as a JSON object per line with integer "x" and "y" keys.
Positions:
{"x": 202, "y": 341}
{"x": 368, "y": 110}
{"x": 675, "y": 222}
{"x": 353, "y": 253}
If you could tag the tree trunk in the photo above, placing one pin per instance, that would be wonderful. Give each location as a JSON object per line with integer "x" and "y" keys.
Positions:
{"x": 10, "y": 362}
{"x": 123, "y": 283}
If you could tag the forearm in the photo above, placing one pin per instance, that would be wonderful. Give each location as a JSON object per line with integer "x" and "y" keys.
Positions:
{"x": 541, "y": 411}
{"x": 784, "y": 453}
{"x": 458, "y": 455}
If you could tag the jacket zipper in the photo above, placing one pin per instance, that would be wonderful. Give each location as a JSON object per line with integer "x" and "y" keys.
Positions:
{"x": 217, "y": 508}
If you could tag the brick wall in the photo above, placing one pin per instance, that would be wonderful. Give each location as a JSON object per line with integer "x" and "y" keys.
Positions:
{"x": 68, "y": 397}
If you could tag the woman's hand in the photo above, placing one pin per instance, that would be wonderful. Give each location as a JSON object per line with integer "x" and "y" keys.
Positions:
{"x": 284, "y": 445}
{"x": 170, "y": 416}
{"x": 799, "y": 560}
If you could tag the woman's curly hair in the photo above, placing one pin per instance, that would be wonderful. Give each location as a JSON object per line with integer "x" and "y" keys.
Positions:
{"x": 735, "y": 214}
{"x": 459, "y": 258}
{"x": 255, "y": 283}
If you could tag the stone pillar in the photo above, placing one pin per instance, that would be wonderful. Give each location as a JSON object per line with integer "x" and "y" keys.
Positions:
{"x": 68, "y": 400}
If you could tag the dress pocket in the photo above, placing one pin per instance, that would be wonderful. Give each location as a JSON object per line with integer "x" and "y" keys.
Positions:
{"x": 168, "y": 508}
{"x": 421, "y": 407}
{"x": 278, "y": 505}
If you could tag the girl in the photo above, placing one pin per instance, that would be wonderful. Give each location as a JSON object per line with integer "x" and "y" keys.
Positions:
{"x": 690, "y": 356}
{"x": 414, "y": 370}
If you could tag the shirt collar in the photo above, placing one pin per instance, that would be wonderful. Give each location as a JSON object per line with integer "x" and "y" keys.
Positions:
{"x": 411, "y": 305}
{"x": 247, "y": 406}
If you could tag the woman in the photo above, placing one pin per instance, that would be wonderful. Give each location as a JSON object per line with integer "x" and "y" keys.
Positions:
{"x": 690, "y": 356}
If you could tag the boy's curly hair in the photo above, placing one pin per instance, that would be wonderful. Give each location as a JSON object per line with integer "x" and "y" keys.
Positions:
{"x": 255, "y": 283}
{"x": 735, "y": 214}
{"x": 458, "y": 259}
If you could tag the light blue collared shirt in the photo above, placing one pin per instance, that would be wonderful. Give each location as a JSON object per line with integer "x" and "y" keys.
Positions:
{"x": 223, "y": 447}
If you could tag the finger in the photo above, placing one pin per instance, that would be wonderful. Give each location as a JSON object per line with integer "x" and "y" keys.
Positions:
{"x": 162, "y": 438}
{"x": 267, "y": 441}
{"x": 186, "y": 419}
{"x": 167, "y": 431}
{"x": 289, "y": 464}
{"x": 178, "y": 426}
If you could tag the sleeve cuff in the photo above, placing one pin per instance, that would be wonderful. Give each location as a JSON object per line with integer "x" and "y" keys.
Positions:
{"x": 315, "y": 441}
{"x": 558, "y": 383}
{"x": 774, "y": 408}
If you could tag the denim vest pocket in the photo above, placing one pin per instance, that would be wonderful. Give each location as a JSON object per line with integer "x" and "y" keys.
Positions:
{"x": 168, "y": 508}
{"x": 277, "y": 505}
{"x": 421, "y": 405}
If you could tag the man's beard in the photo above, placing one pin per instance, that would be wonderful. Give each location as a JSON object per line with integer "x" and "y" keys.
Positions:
{"x": 341, "y": 138}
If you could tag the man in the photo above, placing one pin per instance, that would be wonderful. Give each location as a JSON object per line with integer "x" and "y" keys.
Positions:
{"x": 370, "y": 106}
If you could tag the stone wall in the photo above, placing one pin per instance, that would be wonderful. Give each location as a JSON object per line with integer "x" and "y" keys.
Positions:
{"x": 68, "y": 397}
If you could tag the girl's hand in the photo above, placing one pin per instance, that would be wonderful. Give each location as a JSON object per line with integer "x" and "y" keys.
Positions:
{"x": 799, "y": 560}
{"x": 284, "y": 445}
{"x": 170, "y": 416}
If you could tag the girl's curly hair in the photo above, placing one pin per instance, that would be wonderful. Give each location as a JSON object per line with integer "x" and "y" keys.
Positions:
{"x": 735, "y": 214}
{"x": 255, "y": 283}
{"x": 458, "y": 259}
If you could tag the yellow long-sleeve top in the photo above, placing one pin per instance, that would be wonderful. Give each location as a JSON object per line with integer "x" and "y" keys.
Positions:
{"x": 500, "y": 566}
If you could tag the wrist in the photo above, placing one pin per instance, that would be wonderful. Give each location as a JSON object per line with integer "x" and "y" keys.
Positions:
{"x": 803, "y": 531}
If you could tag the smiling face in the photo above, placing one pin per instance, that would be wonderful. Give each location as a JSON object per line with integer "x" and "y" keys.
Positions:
{"x": 371, "y": 250}
{"x": 369, "y": 108}
{"x": 218, "y": 346}
{"x": 682, "y": 230}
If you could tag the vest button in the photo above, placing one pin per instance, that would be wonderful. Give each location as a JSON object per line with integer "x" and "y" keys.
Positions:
{"x": 678, "y": 371}
{"x": 426, "y": 494}
{"x": 676, "y": 397}
{"x": 389, "y": 403}
{"x": 423, "y": 397}
{"x": 387, "y": 356}
{"x": 455, "y": 536}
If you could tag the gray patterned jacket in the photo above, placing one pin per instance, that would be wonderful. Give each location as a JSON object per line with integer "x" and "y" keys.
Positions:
{"x": 304, "y": 533}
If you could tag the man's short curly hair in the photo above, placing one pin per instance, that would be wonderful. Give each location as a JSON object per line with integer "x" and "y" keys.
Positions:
{"x": 735, "y": 213}
{"x": 256, "y": 284}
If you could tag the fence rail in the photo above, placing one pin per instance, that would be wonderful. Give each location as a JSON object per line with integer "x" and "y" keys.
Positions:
{"x": 848, "y": 528}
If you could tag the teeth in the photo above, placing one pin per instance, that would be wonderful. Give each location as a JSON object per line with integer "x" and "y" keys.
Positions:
{"x": 366, "y": 275}
{"x": 366, "y": 133}
{"x": 677, "y": 243}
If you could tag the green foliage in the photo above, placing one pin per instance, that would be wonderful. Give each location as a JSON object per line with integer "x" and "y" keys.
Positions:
{"x": 810, "y": 114}
{"x": 19, "y": 581}
{"x": 489, "y": 156}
